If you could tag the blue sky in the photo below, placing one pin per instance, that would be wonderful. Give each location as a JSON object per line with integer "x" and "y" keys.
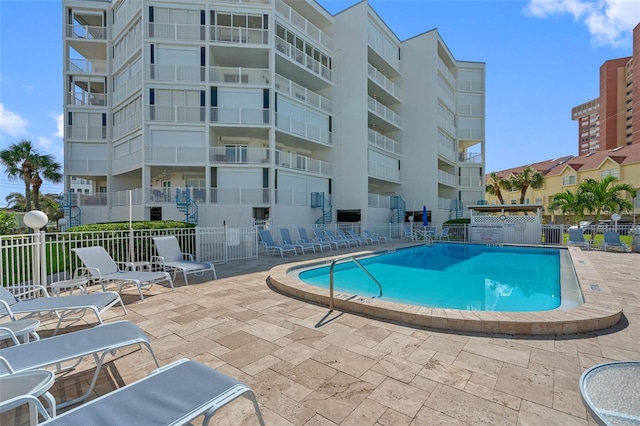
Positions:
{"x": 542, "y": 58}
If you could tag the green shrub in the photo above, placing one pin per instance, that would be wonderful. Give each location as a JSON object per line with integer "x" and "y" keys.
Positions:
{"x": 458, "y": 221}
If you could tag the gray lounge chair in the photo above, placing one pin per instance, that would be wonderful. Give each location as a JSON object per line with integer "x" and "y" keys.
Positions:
{"x": 174, "y": 394}
{"x": 271, "y": 246}
{"x": 341, "y": 237}
{"x": 66, "y": 308}
{"x": 98, "y": 342}
{"x": 362, "y": 239}
{"x": 304, "y": 237}
{"x": 612, "y": 240}
{"x": 319, "y": 233}
{"x": 375, "y": 237}
{"x": 576, "y": 238}
{"x": 101, "y": 268}
{"x": 24, "y": 388}
{"x": 285, "y": 235}
{"x": 171, "y": 258}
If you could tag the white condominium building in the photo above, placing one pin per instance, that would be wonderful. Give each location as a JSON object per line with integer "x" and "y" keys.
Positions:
{"x": 221, "y": 112}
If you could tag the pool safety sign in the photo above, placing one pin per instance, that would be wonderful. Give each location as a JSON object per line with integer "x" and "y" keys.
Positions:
{"x": 487, "y": 233}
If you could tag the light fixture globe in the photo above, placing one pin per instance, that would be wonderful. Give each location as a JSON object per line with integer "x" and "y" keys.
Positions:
{"x": 35, "y": 219}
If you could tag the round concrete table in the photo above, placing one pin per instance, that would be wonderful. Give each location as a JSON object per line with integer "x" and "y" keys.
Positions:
{"x": 611, "y": 393}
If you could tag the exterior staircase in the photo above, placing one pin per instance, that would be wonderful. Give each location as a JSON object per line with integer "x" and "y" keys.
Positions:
{"x": 185, "y": 204}
{"x": 319, "y": 201}
{"x": 456, "y": 208}
{"x": 400, "y": 207}
{"x": 70, "y": 210}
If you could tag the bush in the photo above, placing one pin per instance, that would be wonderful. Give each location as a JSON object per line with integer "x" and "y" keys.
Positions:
{"x": 459, "y": 221}
{"x": 7, "y": 223}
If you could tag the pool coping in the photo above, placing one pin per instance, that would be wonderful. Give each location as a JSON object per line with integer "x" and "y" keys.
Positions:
{"x": 600, "y": 309}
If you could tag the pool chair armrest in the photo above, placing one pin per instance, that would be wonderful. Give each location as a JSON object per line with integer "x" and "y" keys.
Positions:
{"x": 125, "y": 266}
{"x": 157, "y": 263}
{"x": 30, "y": 290}
{"x": 188, "y": 257}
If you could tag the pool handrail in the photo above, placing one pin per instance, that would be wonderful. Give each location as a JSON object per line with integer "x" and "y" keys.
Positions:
{"x": 353, "y": 259}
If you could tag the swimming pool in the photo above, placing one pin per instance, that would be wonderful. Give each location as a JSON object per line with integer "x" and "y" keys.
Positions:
{"x": 461, "y": 276}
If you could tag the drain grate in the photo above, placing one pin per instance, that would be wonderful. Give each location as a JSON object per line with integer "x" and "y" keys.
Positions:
{"x": 594, "y": 287}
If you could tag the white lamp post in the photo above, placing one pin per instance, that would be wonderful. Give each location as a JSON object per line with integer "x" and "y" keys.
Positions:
{"x": 35, "y": 219}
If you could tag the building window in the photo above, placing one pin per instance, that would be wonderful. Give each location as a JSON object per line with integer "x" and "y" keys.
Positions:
{"x": 569, "y": 180}
{"x": 513, "y": 201}
{"x": 609, "y": 172}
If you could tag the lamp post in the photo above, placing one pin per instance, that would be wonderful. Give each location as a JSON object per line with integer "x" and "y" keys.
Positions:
{"x": 36, "y": 220}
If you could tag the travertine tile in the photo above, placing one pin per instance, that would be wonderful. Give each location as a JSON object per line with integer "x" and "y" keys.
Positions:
{"x": 526, "y": 384}
{"x": 532, "y": 414}
{"x": 399, "y": 396}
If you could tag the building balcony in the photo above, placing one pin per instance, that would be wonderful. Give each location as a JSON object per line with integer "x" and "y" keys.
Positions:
{"x": 175, "y": 73}
{"x": 383, "y": 82}
{"x": 445, "y": 203}
{"x": 238, "y": 155}
{"x": 174, "y": 155}
{"x": 384, "y": 48}
{"x": 239, "y": 75}
{"x": 127, "y": 88}
{"x": 385, "y": 113}
{"x": 86, "y": 32}
{"x": 470, "y": 157}
{"x": 471, "y": 182}
{"x": 176, "y": 32}
{"x": 86, "y": 166}
{"x": 379, "y": 201}
{"x": 447, "y": 152}
{"x": 86, "y": 132}
{"x": 303, "y": 130}
{"x": 176, "y": 113}
{"x": 447, "y": 98}
{"x": 446, "y": 178}
{"x": 302, "y": 59}
{"x": 244, "y": 116}
{"x": 288, "y": 87}
{"x": 301, "y": 23}
{"x": 247, "y": 2}
{"x": 87, "y": 99}
{"x": 240, "y": 195}
{"x": 99, "y": 199}
{"x": 470, "y": 133}
{"x": 303, "y": 163}
{"x": 131, "y": 123}
{"x": 446, "y": 73}
{"x": 239, "y": 35}
{"x": 289, "y": 197}
{"x": 381, "y": 141}
{"x": 471, "y": 110}
{"x": 380, "y": 171}
{"x": 86, "y": 66}
{"x": 447, "y": 126}
{"x": 127, "y": 162}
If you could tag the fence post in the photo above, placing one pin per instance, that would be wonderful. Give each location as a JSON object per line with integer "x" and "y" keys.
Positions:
{"x": 43, "y": 257}
{"x": 197, "y": 247}
{"x": 225, "y": 243}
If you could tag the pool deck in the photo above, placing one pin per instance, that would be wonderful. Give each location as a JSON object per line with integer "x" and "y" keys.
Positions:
{"x": 309, "y": 367}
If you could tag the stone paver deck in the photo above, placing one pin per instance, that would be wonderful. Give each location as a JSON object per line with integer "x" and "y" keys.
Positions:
{"x": 309, "y": 367}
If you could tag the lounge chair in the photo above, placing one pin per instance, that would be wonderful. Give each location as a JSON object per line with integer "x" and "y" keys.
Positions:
{"x": 285, "y": 235}
{"x": 304, "y": 237}
{"x": 101, "y": 268}
{"x": 271, "y": 246}
{"x": 363, "y": 239}
{"x": 341, "y": 237}
{"x": 444, "y": 234}
{"x": 98, "y": 342}
{"x": 66, "y": 308}
{"x": 612, "y": 239}
{"x": 319, "y": 233}
{"x": 174, "y": 394}
{"x": 408, "y": 233}
{"x": 24, "y": 388}
{"x": 171, "y": 258}
{"x": 375, "y": 237}
{"x": 576, "y": 238}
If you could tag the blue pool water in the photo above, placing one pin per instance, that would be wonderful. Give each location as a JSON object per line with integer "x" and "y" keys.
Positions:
{"x": 454, "y": 276}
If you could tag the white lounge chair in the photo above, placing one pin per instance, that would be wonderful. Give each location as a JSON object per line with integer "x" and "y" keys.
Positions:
{"x": 174, "y": 394}
{"x": 444, "y": 234}
{"x": 612, "y": 240}
{"x": 98, "y": 342}
{"x": 101, "y": 268}
{"x": 66, "y": 308}
{"x": 171, "y": 258}
{"x": 408, "y": 233}
{"x": 576, "y": 238}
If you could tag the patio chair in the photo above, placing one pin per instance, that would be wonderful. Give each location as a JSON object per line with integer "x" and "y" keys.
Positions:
{"x": 304, "y": 237}
{"x": 341, "y": 237}
{"x": 98, "y": 342}
{"x": 174, "y": 394}
{"x": 576, "y": 238}
{"x": 612, "y": 239}
{"x": 66, "y": 308}
{"x": 375, "y": 237}
{"x": 100, "y": 267}
{"x": 444, "y": 234}
{"x": 320, "y": 236}
{"x": 285, "y": 235}
{"x": 271, "y": 246}
{"x": 408, "y": 233}
{"x": 171, "y": 258}
{"x": 363, "y": 240}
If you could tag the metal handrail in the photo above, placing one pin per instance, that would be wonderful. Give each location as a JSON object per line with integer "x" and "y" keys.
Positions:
{"x": 352, "y": 258}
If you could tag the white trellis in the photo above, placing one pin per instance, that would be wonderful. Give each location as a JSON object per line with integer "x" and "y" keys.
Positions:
{"x": 512, "y": 224}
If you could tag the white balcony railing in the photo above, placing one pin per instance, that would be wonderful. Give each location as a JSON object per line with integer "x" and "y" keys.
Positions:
{"x": 302, "y": 59}
{"x": 123, "y": 198}
{"x": 446, "y": 178}
{"x": 447, "y": 151}
{"x": 176, "y": 73}
{"x": 251, "y": 116}
{"x": 86, "y": 32}
{"x": 239, "y": 195}
{"x": 176, "y": 113}
{"x": 470, "y": 157}
{"x": 124, "y": 49}
{"x": 178, "y": 32}
{"x": 446, "y": 98}
{"x": 126, "y": 162}
{"x": 379, "y": 201}
{"x": 289, "y": 197}
{"x": 132, "y": 122}
{"x": 87, "y": 99}
{"x": 380, "y": 44}
{"x": 444, "y": 203}
{"x": 301, "y": 23}
{"x": 471, "y": 109}
{"x": 471, "y": 182}
{"x": 239, "y": 35}
{"x": 86, "y": 166}
{"x": 86, "y": 132}
{"x": 382, "y": 171}
{"x": 384, "y": 112}
{"x": 174, "y": 154}
{"x": 386, "y": 143}
{"x": 447, "y": 126}
{"x": 239, "y": 75}
{"x": 303, "y": 163}
{"x": 98, "y": 199}
{"x": 299, "y": 128}
{"x": 86, "y": 66}
{"x": 303, "y": 94}
{"x": 470, "y": 86}
{"x": 382, "y": 81}
{"x": 448, "y": 76}
{"x": 470, "y": 133}
{"x": 238, "y": 155}
{"x": 127, "y": 88}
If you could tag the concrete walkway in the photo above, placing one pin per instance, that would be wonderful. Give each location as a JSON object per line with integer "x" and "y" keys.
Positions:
{"x": 309, "y": 367}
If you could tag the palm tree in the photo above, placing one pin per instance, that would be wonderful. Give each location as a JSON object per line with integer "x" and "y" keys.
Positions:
{"x": 569, "y": 202}
{"x": 604, "y": 195}
{"x": 16, "y": 201}
{"x": 22, "y": 161}
{"x": 495, "y": 186}
{"x": 527, "y": 178}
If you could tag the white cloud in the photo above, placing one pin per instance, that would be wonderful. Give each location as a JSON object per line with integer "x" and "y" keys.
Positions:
{"x": 11, "y": 123}
{"x": 609, "y": 22}
{"x": 59, "y": 125}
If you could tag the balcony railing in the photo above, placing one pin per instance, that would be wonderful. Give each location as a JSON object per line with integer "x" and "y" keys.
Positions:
{"x": 444, "y": 203}
{"x": 302, "y": 58}
{"x": 381, "y": 141}
{"x": 384, "y": 112}
{"x": 189, "y": 74}
{"x": 239, "y": 195}
{"x": 84, "y": 65}
{"x": 127, "y": 88}
{"x": 471, "y": 109}
{"x": 86, "y": 32}
{"x": 447, "y": 126}
{"x": 239, "y": 35}
{"x": 265, "y": 2}
{"x": 446, "y": 178}
{"x": 86, "y": 165}
{"x": 303, "y": 163}
{"x": 448, "y": 76}
{"x": 382, "y": 81}
{"x": 126, "y": 162}
{"x": 87, "y": 99}
{"x": 132, "y": 122}
{"x": 446, "y": 98}
{"x": 470, "y": 157}
{"x": 251, "y": 116}
{"x": 446, "y": 151}
{"x": 178, "y": 32}
{"x": 383, "y": 172}
{"x": 470, "y": 133}
{"x": 379, "y": 201}
{"x": 238, "y": 155}
{"x": 176, "y": 113}
{"x": 98, "y": 199}
{"x": 174, "y": 154}
{"x": 299, "y": 128}
{"x": 239, "y": 75}
{"x": 384, "y": 48}
{"x": 303, "y": 94}
{"x": 289, "y": 197}
{"x": 470, "y": 86}
{"x": 472, "y": 182}
{"x": 86, "y": 132}
{"x": 301, "y": 23}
